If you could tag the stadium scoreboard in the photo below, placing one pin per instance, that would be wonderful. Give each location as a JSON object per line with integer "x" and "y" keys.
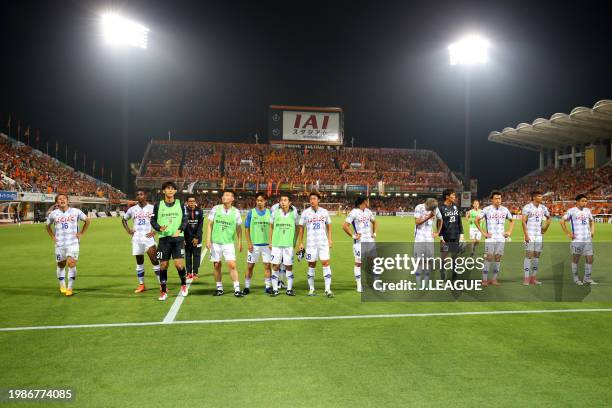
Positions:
{"x": 305, "y": 125}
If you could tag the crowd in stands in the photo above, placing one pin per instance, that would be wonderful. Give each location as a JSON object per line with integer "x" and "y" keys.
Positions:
{"x": 236, "y": 164}
{"x": 26, "y": 169}
{"x": 561, "y": 185}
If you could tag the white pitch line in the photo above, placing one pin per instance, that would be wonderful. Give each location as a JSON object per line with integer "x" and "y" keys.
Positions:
{"x": 302, "y": 318}
{"x": 179, "y": 299}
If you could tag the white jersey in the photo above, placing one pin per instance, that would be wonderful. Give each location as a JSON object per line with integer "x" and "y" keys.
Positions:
{"x": 535, "y": 215}
{"x": 142, "y": 221}
{"x": 66, "y": 225}
{"x": 315, "y": 223}
{"x": 424, "y": 231}
{"x": 496, "y": 221}
{"x": 581, "y": 227}
{"x": 361, "y": 220}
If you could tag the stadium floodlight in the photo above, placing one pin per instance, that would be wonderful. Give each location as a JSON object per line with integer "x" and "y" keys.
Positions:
{"x": 470, "y": 50}
{"x": 120, "y": 31}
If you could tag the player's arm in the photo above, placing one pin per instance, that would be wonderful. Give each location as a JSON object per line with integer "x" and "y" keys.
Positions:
{"x": 547, "y": 223}
{"x": 564, "y": 226}
{"x": 524, "y": 223}
{"x": 346, "y": 227}
{"x": 154, "y": 224}
{"x": 124, "y": 222}
{"x": 247, "y": 231}
{"x": 592, "y": 225}
{"x": 509, "y": 232}
{"x": 50, "y": 230}
{"x": 208, "y": 232}
{"x": 239, "y": 230}
{"x": 329, "y": 237}
{"x": 477, "y": 223}
{"x": 270, "y": 233}
{"x": 198, "y": 232}
{"x": 374, "y": 227}
{"x": 460, "y": 221}
{"x": 300, "y": 241}
{"x": 184, "y": 222}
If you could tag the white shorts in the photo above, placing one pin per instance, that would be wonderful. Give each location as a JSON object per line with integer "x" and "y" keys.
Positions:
{"x": 582, "y": 248}
{"x": 534, "y": 245}
{"x": 424, "y": 249}
{"x": 64, "y": 252}
{"x": 227, "y": 251}
{"x": 141, "y": 247}
{"x": 259, "y": 250}
{"x": 475, "y": 234}
{"x": 314, "y": 254}
{"x": 494, "y": 247}
{"x": 282, "y": 255}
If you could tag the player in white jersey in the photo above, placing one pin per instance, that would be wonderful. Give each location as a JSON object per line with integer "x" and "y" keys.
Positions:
{"x": 66, "y": 237}
{"x": 282, "y": 271}
{"x": 318, "y": 223}
{"x": 364, "y": 226}
{"x": 424, "y": 234}
{"x": 583, "y": 231}
{"x": 495, "y": 216}
{"x": 142, "y": 234}
{"x": 533, "y": 214}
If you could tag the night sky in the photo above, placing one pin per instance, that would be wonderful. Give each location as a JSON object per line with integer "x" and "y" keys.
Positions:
{"x": 213, "y": 68}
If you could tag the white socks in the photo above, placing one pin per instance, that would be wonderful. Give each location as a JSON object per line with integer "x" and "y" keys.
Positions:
{"x": 311, "y": 275}
{"x": 140, "y": 270}
{"x": 357, "y": 271}
{"x": 527, "y": 267}
{"x": 274, "y": 280}
{"x": 71, "y": 276}
{"x": 61, "y": 276}
{"x": 327, "y": 277}
{"x": 156, "y": 272}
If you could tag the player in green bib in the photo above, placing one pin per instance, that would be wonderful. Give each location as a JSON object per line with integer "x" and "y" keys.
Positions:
{"x": 223, "y": 231}
{"x": 472, "y": 217}
{"x": 282, "y": 237}
{"x": 257, "y": 226}
{"x": 170, "y": 220}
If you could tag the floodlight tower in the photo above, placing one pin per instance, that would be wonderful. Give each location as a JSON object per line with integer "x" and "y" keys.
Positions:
{"x": 468, "y": 51}
{"x": 119, "y": 31}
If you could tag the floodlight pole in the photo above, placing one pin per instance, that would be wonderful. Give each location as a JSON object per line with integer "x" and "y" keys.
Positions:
{"x": 125, "y": 128}
{"x": 467, "y": 147}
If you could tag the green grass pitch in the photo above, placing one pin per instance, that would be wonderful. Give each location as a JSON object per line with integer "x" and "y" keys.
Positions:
{"x": 555, "y": 359}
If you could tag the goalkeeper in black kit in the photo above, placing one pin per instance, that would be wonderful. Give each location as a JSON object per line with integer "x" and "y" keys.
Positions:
{"x": 450, "y": 231}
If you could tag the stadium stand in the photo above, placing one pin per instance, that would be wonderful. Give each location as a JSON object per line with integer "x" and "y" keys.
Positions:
{"x": 26, "y": 169}
{"x": 240, "y": 165}
{"x": 575, "y": 157}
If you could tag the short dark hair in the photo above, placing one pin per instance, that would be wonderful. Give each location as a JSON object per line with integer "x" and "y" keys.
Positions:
{"x": 314, "y": 193}
{"x": 535, "y": 193}
{"x": 190, "y": 196}
{"x": 494, "y": 193}
{"x": 62, "y": 194}
{"x": 474, "y": 200}
{"x": 284, "y": 195}
{"x": 359, "y": 200}
{"x": 447, "y": 192}
{"x": 140, "y": 190}
{"x": 260, "y": 194}
{"x": 580, "y": 197}
{"x": 229, "y": 191}
{"x": 169, "y": 184}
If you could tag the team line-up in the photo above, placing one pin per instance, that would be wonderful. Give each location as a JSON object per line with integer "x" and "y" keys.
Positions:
{"x": 275, "y": 234}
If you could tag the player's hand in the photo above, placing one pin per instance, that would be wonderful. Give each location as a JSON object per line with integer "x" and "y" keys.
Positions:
{"x": 488, "y": 234}
{"x": 435, "y": 235}
{"x": 176, "y": 234}
{"x": 131, "y": 231}
{"x": 357, "y": 236}
{"x": 208, "y": 244}
{"x": 194, "y": 242}
{"x": 330, "y": 243}
{"x": 461, "y": 238}
{"x": 163, "y": 228}
{"x": 270, "y": 246}
{"x": 78, "y": 235}
{"x": 54, "y": 238}
{"x": 150, "y": 234}
{"x": 506, "y": 234}
{"x": 301, "y": 246}
{"x": 240, "y": 246}
{"x": 527, "y": 238}
{"x": 250, "y": 246}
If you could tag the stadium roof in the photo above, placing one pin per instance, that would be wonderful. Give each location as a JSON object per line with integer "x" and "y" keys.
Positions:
{"x": 582, "y": 125}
